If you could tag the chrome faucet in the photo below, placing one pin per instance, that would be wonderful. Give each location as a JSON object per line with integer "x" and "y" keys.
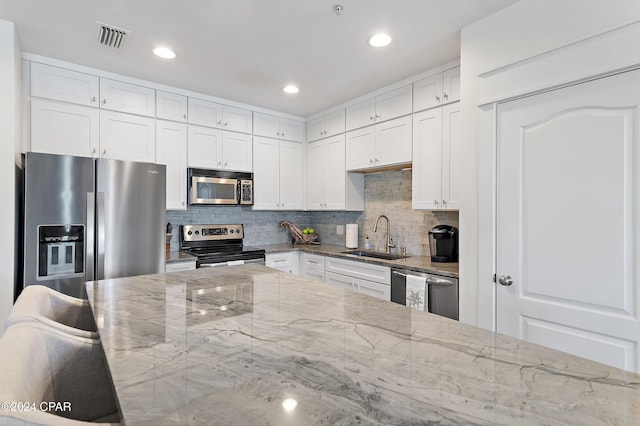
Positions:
{"x": 390, "y": 243}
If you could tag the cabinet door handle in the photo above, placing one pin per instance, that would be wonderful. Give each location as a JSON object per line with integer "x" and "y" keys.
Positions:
{"x": 282, "y": 134}
{"x": 370, "y": 161}
{"x": 282, "y": 205}
{"x": 437, "y": 98}
{"x": 377, "y": 161}
{"x": 93, "y": 99}
{"x": 378, "y": 116}
{"x": 184, "y": 116}
{"x": 436, "y": 203}
{"x": 104, "y": 101}
{"x": 93, "y": 152}
{"x": 104, "y": 152}
{"x": 444, "y": 203}
{"x": 226, "y": 123}
{"x": 226, "y": 163}
{"x": 371, "y": 117}
{"x": 219, "y": 163}
{"x": 445, "y": 96}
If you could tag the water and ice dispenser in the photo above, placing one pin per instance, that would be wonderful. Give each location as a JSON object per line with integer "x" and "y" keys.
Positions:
{"x": 60, "y": 251}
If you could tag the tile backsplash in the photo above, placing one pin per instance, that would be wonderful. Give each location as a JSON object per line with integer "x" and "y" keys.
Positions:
{"x": 387, "y": 193}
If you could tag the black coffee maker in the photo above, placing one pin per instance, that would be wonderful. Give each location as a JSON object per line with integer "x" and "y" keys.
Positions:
{"x": 443, "y": 243}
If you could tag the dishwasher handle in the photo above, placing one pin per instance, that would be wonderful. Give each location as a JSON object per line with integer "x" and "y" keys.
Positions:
{"x": 439, "y": 281}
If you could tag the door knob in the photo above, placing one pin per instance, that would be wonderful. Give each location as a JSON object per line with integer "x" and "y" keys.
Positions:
{"x": 505, "y": 280}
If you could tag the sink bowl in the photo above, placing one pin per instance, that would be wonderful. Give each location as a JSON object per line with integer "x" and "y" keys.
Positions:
{"x": 375, "y": 254}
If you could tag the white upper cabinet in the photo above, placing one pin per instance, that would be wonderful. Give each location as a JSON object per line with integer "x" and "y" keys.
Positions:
{"x": 209, "y": 148}
{"x": 171, "y": 150}
{"x": 436, "y": 90}
{"x": 437, "y": 151}
{"x": 170, "y": 106}
{"x": 237, "y": 152}
{"x": 328, "y": 125}
{"x": 278, "y": 172}
{"x": 127, "y": 137}
{"x": 236, "y": 119}
{"x": 63, "y": 128}
{"x": 205, "y": 113}
{"x": 64, "y": 85}
{"x": 387, "y": 106}
{"x": 125, "y": 97}
{"x": 329, "y": 186}
{"x": 385, "y": 144}
{"x": 204, "y": 147}
{"x": 277, "y": 127}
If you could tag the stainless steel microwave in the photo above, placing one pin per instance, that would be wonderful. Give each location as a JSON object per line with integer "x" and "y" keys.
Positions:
{"x": 219, "y": 187}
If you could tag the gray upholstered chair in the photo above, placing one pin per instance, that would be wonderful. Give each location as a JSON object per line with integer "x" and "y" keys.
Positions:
{"x": 39, "y": 363}
{"x": 43, "y": 304}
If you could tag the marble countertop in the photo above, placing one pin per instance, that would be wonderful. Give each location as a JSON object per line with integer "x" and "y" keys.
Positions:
{"x": 229, "y": 345}
{"x": 413, "y": 262}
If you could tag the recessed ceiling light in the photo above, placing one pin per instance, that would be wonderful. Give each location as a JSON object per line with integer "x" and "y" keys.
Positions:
{"x": 379, "y": 40}
{"x": 164, "y": 52}
{"x": 290, "y": 88}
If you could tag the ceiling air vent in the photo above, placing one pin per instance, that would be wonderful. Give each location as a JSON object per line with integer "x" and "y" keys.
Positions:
{"x": 113, "y": 37}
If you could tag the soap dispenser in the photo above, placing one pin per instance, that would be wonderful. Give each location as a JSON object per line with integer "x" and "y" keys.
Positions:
{"x": 367, "y": 243}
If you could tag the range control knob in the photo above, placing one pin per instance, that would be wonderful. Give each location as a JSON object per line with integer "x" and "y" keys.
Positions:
{"x": 189, "y": 233}
{"x": 238, "y": 231}
{"x": 232, "y": 231}
{"x": 197, "y": 232}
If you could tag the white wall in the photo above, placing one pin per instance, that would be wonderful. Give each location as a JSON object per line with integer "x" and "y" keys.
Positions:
{"x": 9, "y": 152}
{"x": 531, "y": 46}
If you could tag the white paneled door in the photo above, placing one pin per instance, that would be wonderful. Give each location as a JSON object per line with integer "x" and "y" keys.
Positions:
{"x": 568, "y": 221}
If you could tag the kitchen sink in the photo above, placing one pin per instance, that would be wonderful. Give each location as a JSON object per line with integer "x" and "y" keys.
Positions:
{"x": 375, "y": 254}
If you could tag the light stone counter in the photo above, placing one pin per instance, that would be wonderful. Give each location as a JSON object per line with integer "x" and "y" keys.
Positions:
{"x": 413, "y": 262}
{"x": 179, "y": 256}
{"x": 226, "y": 346}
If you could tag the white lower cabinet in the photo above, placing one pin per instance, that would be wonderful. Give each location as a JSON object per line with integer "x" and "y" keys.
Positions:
{"x": 381, "y": 291}
{"x": 171, "y": 150}
{"x": 285, "y": 262}
{"x": 374, "y": 280}
{"x": 312, "y": 266}
{"x": 180, "y": 266}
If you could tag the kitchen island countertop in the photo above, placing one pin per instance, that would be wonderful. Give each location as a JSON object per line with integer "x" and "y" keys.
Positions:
{"x": 230, "y": 345}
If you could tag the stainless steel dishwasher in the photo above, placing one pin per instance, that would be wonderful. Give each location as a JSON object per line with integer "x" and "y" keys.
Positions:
{"x": 442, "y": 292}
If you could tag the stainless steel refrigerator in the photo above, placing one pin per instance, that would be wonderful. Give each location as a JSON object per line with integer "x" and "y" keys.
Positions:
{"x": 87, "y": 219}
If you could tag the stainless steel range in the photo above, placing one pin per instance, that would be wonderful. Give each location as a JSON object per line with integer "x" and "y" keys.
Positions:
{"x": 218, "y": 245}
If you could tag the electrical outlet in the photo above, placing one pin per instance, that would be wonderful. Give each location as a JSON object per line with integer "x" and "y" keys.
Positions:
{"x": 340, "y": 229}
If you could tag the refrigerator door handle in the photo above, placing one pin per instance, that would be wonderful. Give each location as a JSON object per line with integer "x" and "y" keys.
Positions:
{"x": 100, "y": 249}
{"x": 89, "y": 236}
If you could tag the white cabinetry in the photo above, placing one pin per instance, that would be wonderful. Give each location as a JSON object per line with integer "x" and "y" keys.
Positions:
{"x": 129, "y": 98}
{"x": 384, "y": 144}
{"x": 285, "y": 262}
{"x": 180, "y": 266}
{"x": 171, "y": 106}
{"x": 214, "y": 149}
{"x": 62, "y": 128}
{"x": 278, "y": 174}
{"x": 329, "y": 186}
{"x": 171, "y": 150}
{"x": 127, "y": 137}
{"x": 437, "y": 90}
{"x": 437, "y": 150}
{"x": 387, "y": 106}
{"x": 204, "y": 113}
{"x": 312, "y": 266}
{"x": 374, "y": 280}
{"x": 326, "y": 126}
{"x": 277, "y": 127}
{"x": 64, "y": 85}
{"x": 211, "y": 114}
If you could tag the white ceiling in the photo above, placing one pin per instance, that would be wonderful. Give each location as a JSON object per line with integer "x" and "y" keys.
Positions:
{"x": 247, "y": 50}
